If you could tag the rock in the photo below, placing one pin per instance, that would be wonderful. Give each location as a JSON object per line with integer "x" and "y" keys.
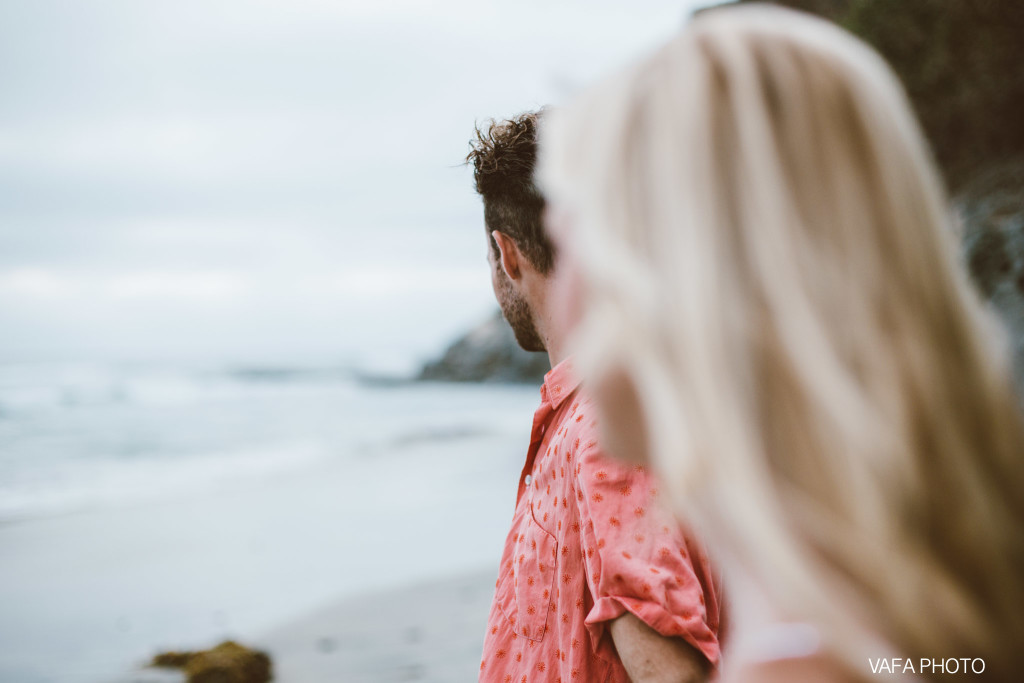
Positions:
{"x": 992, "y": 211}
{"x": 830, "y": 9}
{"x": 960, "y": 63}
{"x": 229, "y": 662}
{"x": 488, "y": 353}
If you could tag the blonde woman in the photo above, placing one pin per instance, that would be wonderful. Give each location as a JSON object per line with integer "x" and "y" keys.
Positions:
{"x": 769, "y": 307}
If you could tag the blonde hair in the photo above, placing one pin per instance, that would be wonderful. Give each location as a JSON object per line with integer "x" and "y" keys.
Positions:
{"x": 767, "y": 255}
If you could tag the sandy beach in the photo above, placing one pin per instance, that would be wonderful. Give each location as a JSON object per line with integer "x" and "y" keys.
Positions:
{"x": 429, "y": 631}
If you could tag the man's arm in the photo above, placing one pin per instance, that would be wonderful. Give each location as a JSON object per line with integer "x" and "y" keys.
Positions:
{"x": 650, "y": 657}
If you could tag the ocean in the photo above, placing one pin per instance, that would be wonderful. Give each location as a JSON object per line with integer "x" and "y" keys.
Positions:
{"x": 145, "y": 506}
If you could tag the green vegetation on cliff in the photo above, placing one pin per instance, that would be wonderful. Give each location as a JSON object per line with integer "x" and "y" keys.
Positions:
{"x": 962, "y": 63}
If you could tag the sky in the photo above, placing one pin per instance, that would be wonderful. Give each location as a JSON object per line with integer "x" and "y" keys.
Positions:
{"x": 244, "y": 181}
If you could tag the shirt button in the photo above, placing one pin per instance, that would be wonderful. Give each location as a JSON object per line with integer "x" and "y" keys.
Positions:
{"x": 527, "y": 479}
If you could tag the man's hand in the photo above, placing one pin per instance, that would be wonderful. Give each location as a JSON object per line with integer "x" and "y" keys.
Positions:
{"x": 650, "y": 657}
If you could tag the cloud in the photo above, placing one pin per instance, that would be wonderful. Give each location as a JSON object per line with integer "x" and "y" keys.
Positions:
{"x": 202, "y": 288}
{"x": 25, "y": 286}
{"x": 275, "y": 175}
{"x": 34, "y": 283}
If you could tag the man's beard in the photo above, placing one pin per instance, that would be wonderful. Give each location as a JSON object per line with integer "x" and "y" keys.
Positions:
{"x": 519, "y": 316}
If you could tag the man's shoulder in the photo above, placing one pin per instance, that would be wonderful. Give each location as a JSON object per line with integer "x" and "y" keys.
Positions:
{"x": 577, "y": 428}
{"x": 578, "y": 433}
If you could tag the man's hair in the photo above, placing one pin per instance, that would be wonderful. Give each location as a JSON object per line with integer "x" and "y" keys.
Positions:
{"x": 503, "y": 159}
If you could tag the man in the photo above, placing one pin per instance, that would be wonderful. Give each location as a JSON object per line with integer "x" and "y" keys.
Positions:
{"x": 596, "y": 583}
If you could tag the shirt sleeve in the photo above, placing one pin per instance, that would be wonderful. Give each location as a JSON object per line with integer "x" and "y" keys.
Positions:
{"x": 638, "y": 559}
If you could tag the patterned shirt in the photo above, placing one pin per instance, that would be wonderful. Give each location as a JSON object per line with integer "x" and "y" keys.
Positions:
{"x": 587, "y": 544}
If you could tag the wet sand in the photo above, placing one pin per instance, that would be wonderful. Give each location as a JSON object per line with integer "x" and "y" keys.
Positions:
{"x": 429, "y": 632}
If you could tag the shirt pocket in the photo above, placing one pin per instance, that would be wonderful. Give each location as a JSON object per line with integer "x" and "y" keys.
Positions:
{"x": 527, "y": 595}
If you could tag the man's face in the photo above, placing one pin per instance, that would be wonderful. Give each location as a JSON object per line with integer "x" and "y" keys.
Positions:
{"x": 513, "y": 305}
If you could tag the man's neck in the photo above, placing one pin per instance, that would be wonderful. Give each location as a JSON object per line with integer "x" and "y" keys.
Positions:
{"x": 554, "y": 360}
{"x": 551, "y": 333}
{"x": 550, "y": 328}
{"x": 556, "y": 352}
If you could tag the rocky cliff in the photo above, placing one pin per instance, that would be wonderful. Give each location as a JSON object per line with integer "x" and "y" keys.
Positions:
{"x": 487, "y": 353}
{"x": 992, "y": 210}
{"x": 961, "y": 64}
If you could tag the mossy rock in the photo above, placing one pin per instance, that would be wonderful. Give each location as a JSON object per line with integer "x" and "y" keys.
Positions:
{"x": 229, "y": 662}
{"x": 960, "y": 63}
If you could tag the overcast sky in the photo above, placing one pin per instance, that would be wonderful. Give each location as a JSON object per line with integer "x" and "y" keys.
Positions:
{"x": 249, "y": 181}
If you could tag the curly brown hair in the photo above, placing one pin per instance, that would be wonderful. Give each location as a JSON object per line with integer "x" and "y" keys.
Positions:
{"x": 503, "y": 158}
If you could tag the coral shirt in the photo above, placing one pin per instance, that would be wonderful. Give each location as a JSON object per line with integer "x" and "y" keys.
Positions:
{"x": 587, "y": 544}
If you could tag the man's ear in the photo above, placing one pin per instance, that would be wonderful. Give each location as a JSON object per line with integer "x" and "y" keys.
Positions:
{"x": 509, "y": 255}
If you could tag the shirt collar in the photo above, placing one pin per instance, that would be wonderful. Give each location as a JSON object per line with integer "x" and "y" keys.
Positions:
{"x": 559, "y": 383}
